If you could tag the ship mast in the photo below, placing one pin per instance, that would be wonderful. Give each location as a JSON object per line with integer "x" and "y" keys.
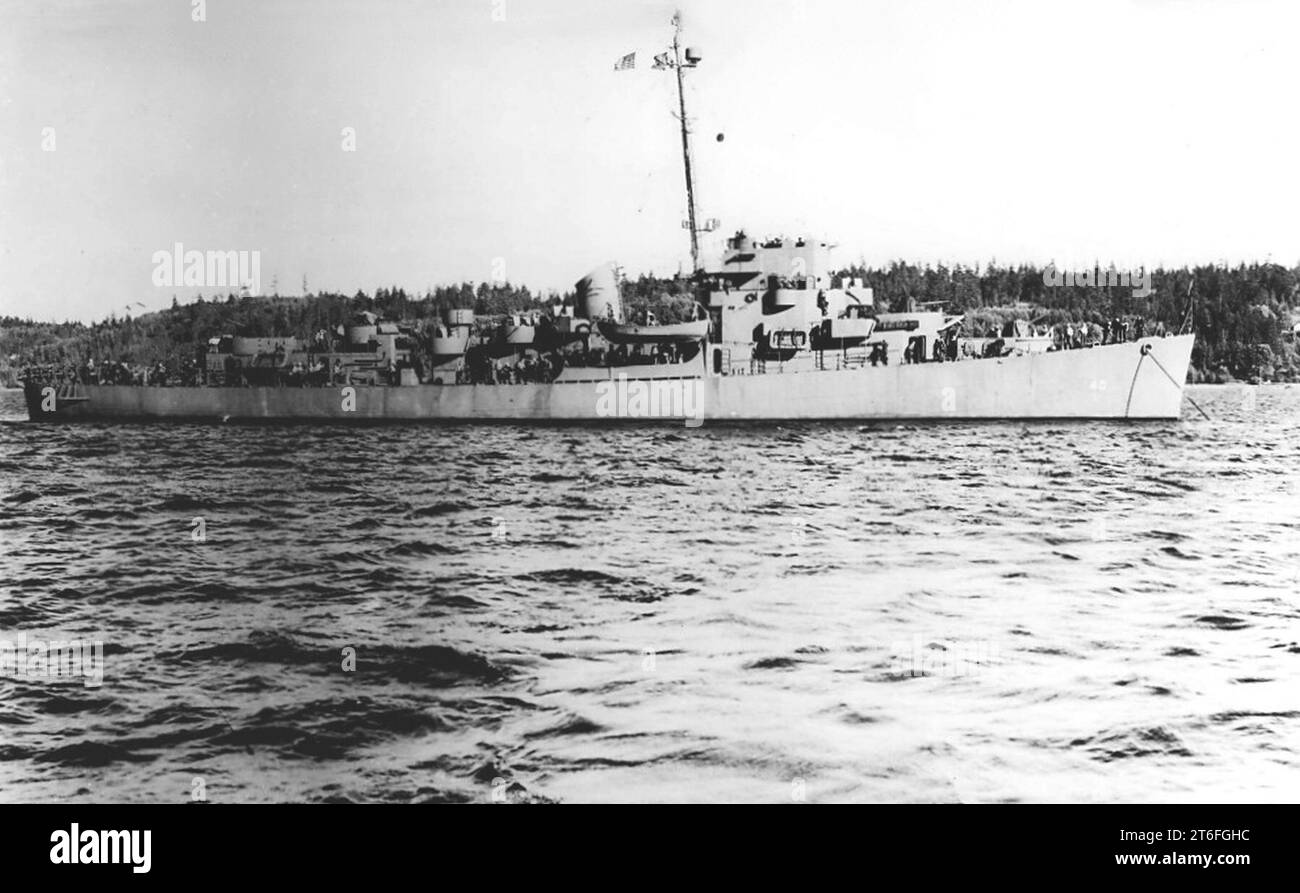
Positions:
{"x": 686, "y": 144}
{"x": 678, "y": 64}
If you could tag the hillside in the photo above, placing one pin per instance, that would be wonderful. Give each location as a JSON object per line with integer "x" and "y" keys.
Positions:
{"x": 1243, "y": 315}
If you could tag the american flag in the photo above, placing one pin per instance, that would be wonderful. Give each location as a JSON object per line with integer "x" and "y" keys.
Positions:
{"x": 628, "y": 61}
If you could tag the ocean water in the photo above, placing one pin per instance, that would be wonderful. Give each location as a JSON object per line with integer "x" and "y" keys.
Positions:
{"x": 822, "y": 613}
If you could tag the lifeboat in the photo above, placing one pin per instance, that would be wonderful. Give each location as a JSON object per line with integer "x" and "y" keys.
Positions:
{"x": 679, "y": 333}
{"x": 849, "y": 330}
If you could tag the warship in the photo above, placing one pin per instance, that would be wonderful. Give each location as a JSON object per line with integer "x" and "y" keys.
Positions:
{"x": 774, "y": 335}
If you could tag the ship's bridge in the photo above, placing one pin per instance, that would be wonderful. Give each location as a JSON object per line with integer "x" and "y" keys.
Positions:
{"x": 748, "y": 263}
{"x": 760, "y": 288}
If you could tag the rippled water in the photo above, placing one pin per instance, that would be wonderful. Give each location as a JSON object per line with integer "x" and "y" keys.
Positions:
{"x": 1091, "y": 611}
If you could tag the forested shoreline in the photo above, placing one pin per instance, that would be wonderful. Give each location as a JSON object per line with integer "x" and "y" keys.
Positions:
{"x": 1243, "y": 315}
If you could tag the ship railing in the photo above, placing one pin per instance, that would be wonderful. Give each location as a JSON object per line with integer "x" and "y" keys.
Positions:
{"x": 44, "y": 374}
{"x": 60, "y": 377}
{"x": 853, "y": 358}
{"x": 733, "y": 366}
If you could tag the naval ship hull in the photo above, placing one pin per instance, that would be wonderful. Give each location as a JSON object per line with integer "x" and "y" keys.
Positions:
{"x": 1135, "y": 380}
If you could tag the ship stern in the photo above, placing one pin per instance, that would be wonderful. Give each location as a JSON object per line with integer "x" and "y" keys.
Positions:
{"x": 37, "y": 402}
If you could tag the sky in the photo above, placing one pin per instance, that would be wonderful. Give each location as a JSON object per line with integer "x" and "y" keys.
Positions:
{"x": 494, "y": 137}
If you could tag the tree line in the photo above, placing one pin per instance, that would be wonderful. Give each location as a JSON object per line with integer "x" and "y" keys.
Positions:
{"x": 1243, "y": 315}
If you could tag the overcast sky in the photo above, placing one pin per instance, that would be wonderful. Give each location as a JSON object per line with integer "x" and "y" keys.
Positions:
{"x": 1133, "y": 131}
